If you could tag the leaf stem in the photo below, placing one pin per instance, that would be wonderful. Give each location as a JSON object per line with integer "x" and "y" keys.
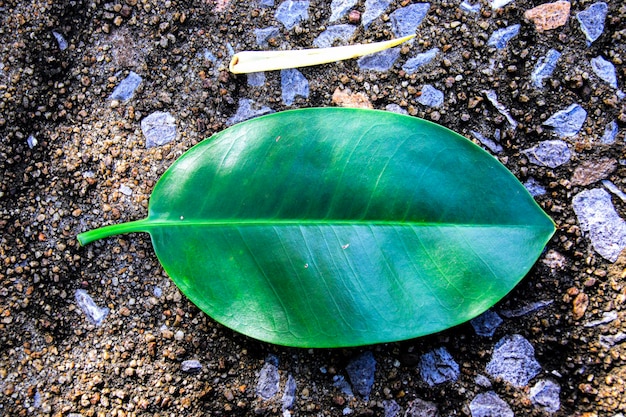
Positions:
{"x": 112, "y": 230}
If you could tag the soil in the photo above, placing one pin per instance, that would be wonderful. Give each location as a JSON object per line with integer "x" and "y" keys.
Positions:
{"x": 90, "y": 151}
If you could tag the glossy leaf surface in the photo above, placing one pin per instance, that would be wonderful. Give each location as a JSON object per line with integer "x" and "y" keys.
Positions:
{"x": 341, "y": 227}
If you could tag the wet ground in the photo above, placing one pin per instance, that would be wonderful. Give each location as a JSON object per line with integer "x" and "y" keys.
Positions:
{"x": 74, "y": 157}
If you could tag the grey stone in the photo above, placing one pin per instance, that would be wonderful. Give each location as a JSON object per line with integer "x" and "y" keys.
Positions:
{"x": 607, "y": 317}
{"x": 191, "y": 366}
{"x": 421, "y": 408}
{"x": 361, "y": 370}
{"x": 498, "y": 4}
{"x": 159, "y": 128}
{"x": 395, "y": 108}
{"x": 610, "y": 340}
{"x": 267, "y": 385}
{"x": 545, "y": 67}
{"x": 438, "y": 366}
{"x": 482, "y": 381}
{"x": 488, "y": 404}
{"x": 391, "y": 408}
{"x": 379, "y": 61}
{"x": 95, "y": 315}
{"x": 567, "y": 122}
{"x": 514, "y": 361}
{"x": 610, "y": 133}
{"x": 289, "y": 396}
{"x": 525, "y": 309}
{"x": 413, "y": 64}
{"x": 264, "y": 35}
{"x": 343, "y": 385}
{"x": 293, "y": 84}
{"x": 126, "y": 88}
{"x": 31, "y": 141}
{"x": 247, "y": 110}
{"x": 469, "y": 7}
{"x": 341, "y": 33}
{"x": 63, "y": 45}
{"x": 549, "y": 153}
{"x": 613, "y": 188}
{"x": 373, "y": 9}
{"x": 534, "y": 188}
{"x": 493, "y": 98}
{"x": 266, "y": 3}
{"x": 545, "y": 395}
{"x": 292, "y": 12}
{"x": 605, "y": 70}
{"x": 405, "y": 20}
{"x": 486, "y": 324}
{"x": 256, "y": 79}
{"x": 339, "y": 8}
{"x": 598, "y": 218}
{"x": 592, "y": 20}
{"x": 501, "y": 37}
{"x": 431, "y": 96}
{"x": 488, "y": 143}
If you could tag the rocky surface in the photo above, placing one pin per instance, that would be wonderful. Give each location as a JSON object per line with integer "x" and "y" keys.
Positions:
{"x": 101, "y": 330}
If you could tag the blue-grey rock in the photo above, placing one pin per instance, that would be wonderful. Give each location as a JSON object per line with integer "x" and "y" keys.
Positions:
{"x": 605, "y": 70}
{"x": 568, "y": 122}
{"x": 430, "y": 97}
{"x": 488, "y": 143}
{"x": 247, "y": 110}
{"x": 545, "y": 67}
{"x": 610, "y": 133}
{"x": 256, "y": 79}
{"x": 501, "y": 37}
{"x": 391, "y": 408}
{"x": 614, "y": 189}
{"x": 292, "y": 12}
{"x": 266, "y": 3}
{"x": 268, "y": 384}
{"x": 549, "y": 153}
{"x": 405, "y": 20}
{"x": 592, "y": 20}
{"x": 380, "y": 61}
{"x": 498, "y": 4}
{"x": 469, "y": 7}
{"x": 395, "y": 108}
{"x": 488, "y": 404}
{"x": 361, "y": 372}
{"x": 421, "y": 408}
{"x": 438, "y": 366}
{"x": 482, "y": 381}
{"x": 600, "y": 222}
{"x": 126, "y": 88}
{"x": 493, "y": 99}
{"x": 293, "y": 84}
{"x": 534, "y": 188}
{"x": 339, "y": 8}
{"x": 94, "y": 314}
{"x": 340, "y": 382}
{"x": 289, "y": 396}
{"x": 525, "y": 309}
{"x": 159, "y": 128}
{"x": 264, "y": 35}
{"x": 341, "y": 33}
{"x": 63, "y": 45}
{"x": 413, "y": 64}
{"x": 514, "y": 361}
{"x": 545, "y": 394}
{"x": 31, "y": 141}
{"x": 486, "y": 324}
{"x": 373, "y": 9}
{"x": 191, "y": 366}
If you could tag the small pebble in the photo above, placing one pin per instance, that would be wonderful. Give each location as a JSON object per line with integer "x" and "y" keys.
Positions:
{"x": 592, "y": 20}
{"x": 613, "y": 188}
{"x": 567, "y": 122}
{"x": 346, "y": 98}
{"x": 247, "y": 110}
{"x": 256, "y": 79}
{"x": 534, "y": 188}
{"x": 361, "y": 370}
{"x": 493, "y": 98}
{"x": 289, "y": 395}
{"x": 600, "y": 222}
{"x": 513, "y": 360}
{"x": 486, "y": 324}
{"x": 292, "y": 12}
{"x": 379, "y": 61}
{"x": 431, "y": 96}
{"x": 269, "y": 379}
{"x": 610, "y": 133}
{"x": 421, "y": 408}
{"x": 549, "y": 153}
{"x": 391, "y": 408}
{"x": 31, "y": 141}
{"x": 191, "y": 366}
{"x": 93, "y": 313}
{"x": 438, "y": 366}
{"x": 591, "y": 171}
{"x": 159, "y": 128}
{"x": 264, "y": 35}
{"x": 373, "y": 9}
{"x": 126, "y": 88}
{"x": 332, "y": 34}
{"x": 604, "y": 70}
{"x": 525, "y": 309}
{"x": 488, "y": 143}
{"x": 549, "y": 16}
{"x": 293, "y": 84}
{"x": 545, "y": 67}
{"x": 545, "y": 395}
{"x": 470, "y": 8}
{"x": 63, "y": 45}
{"x": 498, "y": 4}
{"x": 488, "y": 404}
{"x": 413, "y": 64}
{"x": 339, "y": 8}
{"x": 501, "y": 37}
{"x": 405, "y": 20}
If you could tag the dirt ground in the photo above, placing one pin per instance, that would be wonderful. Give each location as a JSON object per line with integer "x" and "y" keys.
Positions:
{"x": 73, "y": 159}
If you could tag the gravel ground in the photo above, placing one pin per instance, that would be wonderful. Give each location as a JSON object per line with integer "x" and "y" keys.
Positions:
{"x": 73, "y": 158}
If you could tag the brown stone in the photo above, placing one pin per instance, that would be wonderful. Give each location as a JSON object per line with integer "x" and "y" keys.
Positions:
{"x": 346, "y": 98}
{"x": 591, "y": 171}
{"x": 549, "y": 16}
{"x": 581, "y": 302}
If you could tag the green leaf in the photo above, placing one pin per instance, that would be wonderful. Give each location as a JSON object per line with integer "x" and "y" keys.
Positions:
{"x": 341, "y": 227}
